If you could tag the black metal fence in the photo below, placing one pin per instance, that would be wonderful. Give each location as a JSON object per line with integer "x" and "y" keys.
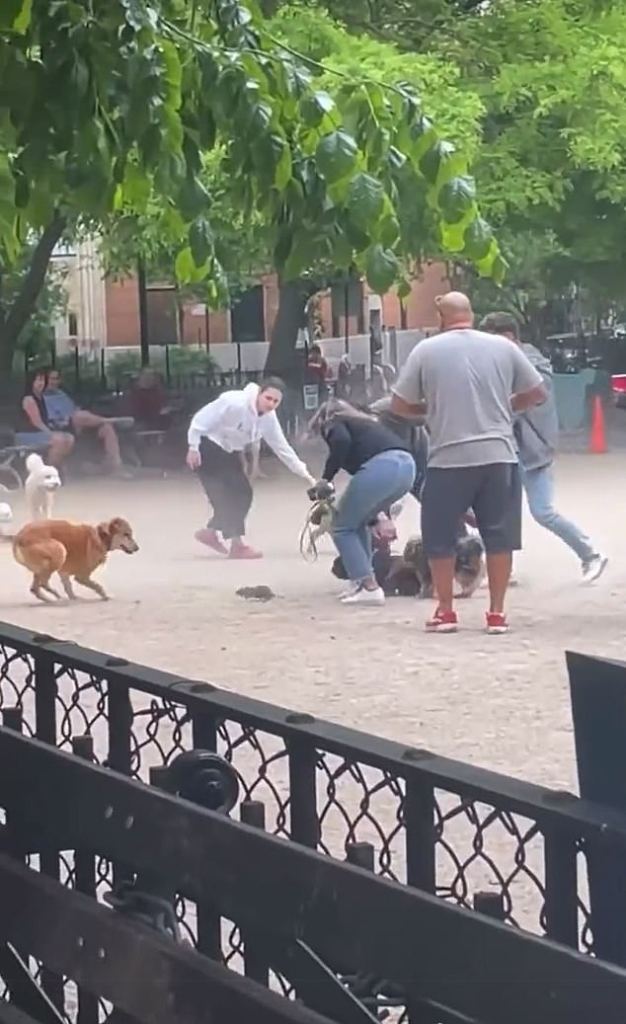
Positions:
{"x": 350, "y": 945}
{"x": 448, "y": 828}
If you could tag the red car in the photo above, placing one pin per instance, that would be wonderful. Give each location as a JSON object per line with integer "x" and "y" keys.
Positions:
{"x": 618, "y": 387}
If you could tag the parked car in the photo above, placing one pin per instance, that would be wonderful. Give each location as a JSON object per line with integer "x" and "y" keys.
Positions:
{"x": 618, "y": 387}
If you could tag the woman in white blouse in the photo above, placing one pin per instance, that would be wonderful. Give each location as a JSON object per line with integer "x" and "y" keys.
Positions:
{"x": 218, "y": 434}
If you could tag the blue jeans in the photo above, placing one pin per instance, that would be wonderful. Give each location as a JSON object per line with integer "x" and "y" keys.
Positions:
{"x": 382, "y": 480}
{"x": 539, "y": 487}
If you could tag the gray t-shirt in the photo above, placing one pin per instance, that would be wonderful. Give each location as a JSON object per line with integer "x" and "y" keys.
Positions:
{"x": 467, "y": 378}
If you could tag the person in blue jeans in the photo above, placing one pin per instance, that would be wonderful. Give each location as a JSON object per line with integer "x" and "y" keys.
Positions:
{"x": 536, "y": 433}
{"x": 382, "y": 470}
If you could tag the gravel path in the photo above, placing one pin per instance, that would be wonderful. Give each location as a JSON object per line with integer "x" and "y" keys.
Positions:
{"x": 501, "y": 702}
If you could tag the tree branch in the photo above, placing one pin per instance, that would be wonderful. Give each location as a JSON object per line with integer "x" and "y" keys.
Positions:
{"x": 18, "y": 315}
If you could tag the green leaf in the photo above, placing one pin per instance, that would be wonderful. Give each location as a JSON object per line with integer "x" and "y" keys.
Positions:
{"x": 478, "y": 240}
{"x": 404, "y": 289}
{"x": 193, "y": 198}
{"x": 186, "y": 270}
{"x": 456, "y": 198}
{"x": 173, "y": 72}
{"x": 315, "y": 106}
{"x": 15, "y": 15}
{"x": 136, "y": 187}
{"x": 422, "y": 135}
{"x": 284, "y": 170}
{"x": 366, "y": 199}
{"x": 381, "y": 268}
{"x": 388, "y": 231}
{"x": 336, "y": 156}
{"x": 201, "y": 241}
{"x": 434, "y": 159}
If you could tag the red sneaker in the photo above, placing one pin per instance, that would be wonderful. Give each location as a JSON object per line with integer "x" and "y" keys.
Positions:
{"x": 211, "y": 540}
{"x": 442, "y": 622}
{"x": 496, "y": 623}
{"x": 244, "y": 551}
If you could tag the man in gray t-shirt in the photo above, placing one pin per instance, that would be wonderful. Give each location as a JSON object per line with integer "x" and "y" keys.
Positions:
{"x": 469, "y": 384}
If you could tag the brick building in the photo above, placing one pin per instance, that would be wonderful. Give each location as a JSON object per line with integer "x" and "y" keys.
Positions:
{"x": 105, "y": 311}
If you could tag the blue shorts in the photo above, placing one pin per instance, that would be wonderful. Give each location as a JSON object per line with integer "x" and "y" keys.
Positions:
{"x": 38, "y": 439}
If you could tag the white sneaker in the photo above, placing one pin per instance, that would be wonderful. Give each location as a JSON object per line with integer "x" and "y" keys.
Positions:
{"x": 593, "y": 569}
{"x": 352, "y": 588}
{"x": 363, "y": 596}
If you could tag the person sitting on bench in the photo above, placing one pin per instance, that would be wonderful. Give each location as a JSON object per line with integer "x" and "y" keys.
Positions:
{"x": 64, "y": 414}
{"x": 35, "y": 428}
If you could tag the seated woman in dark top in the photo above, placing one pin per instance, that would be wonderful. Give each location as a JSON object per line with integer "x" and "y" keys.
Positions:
{"x": 382, "y": 471}
{"x": 34, "y": 427}
{"x": 148, "y": 402}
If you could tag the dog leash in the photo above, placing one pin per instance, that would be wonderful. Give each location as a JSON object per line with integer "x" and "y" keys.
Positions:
{"x": 318, "y": 511}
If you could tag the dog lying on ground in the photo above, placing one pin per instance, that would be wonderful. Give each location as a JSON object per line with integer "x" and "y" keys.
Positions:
{"x": 408, "y": 574}
{"x": 41, "y": 483}
{"x": 74, "y": 550}
{"x": 469, "y": 567}
{"x": 392, "y": 573}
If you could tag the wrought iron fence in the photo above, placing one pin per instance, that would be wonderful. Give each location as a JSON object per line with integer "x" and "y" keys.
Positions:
{"x": 355, "y": 948}
{"x": 448, "y": 828}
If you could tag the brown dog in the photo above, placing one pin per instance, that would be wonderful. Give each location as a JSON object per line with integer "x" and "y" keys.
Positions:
{"x": 71, "y": 549}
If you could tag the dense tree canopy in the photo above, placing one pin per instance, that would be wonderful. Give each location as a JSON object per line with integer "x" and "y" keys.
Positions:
{"x": 110, "y": 105}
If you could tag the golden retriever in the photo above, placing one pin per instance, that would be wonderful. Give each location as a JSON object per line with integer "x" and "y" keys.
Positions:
{"x": 71, "y": 549}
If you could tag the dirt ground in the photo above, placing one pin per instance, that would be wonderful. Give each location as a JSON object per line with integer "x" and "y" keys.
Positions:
{"x": 500, "y": 702}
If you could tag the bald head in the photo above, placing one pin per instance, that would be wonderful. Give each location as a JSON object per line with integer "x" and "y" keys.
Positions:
{"x": 455, "y": 310}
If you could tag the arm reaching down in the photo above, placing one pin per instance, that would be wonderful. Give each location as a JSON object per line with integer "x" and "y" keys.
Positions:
{"x": 407, "y": 410}
{"x": 272, "y": 433}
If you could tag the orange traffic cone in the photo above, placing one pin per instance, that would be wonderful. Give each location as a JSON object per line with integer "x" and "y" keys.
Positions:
{"x": 597, "y": 437}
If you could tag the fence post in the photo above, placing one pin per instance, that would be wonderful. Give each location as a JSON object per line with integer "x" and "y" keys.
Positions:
{"x": 252, "y": 812}
{"x": 302, "y": 788}
{"x": 85, "y": 874}
{"x": 419, "y": 820}
{"x": 561, "y": 882}
{"x": 598, "y": 696}
{"x": 490, "y": 904}
{"x": 361, "y": 855}
{"x": 46, "y": 731}
{"x": 12, "y": 719}
{"x": 119, "y": 758}
{"x": 204, "y": 737}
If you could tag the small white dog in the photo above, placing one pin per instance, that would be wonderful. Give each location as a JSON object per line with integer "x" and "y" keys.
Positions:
{"x": 41, "y": 483}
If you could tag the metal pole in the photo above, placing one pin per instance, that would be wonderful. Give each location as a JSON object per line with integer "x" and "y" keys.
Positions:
{"x": 144, "y": 337}
{"x": 346, "y": 316}
{"x": 207, "y": 329}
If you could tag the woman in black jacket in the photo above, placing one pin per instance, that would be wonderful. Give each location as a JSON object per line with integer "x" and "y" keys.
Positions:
{"x": 382, "y": 471}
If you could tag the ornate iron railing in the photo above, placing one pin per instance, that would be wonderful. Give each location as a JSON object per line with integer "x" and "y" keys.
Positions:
{"x": 448, "y": 828}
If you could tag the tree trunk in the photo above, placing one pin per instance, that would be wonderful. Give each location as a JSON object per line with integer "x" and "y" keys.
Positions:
{"x": 283, "y": 359}
{"x": 13, "y": 320}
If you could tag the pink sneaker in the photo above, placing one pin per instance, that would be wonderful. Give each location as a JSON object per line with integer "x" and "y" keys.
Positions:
{"x": 244, "y": 551}
{"x": 210, "y": 538}
{"x": 442, "y": 622}
{"x": 496, "y": 623}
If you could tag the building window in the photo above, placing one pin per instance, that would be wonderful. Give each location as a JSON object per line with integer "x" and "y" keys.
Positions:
{"x": 247, "y": 316}
{"x": 347, "y": 304}
{"x": 72, "y": 325}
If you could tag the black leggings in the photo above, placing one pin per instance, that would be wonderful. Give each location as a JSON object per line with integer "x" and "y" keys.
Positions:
{"x": 227, "y": 488}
